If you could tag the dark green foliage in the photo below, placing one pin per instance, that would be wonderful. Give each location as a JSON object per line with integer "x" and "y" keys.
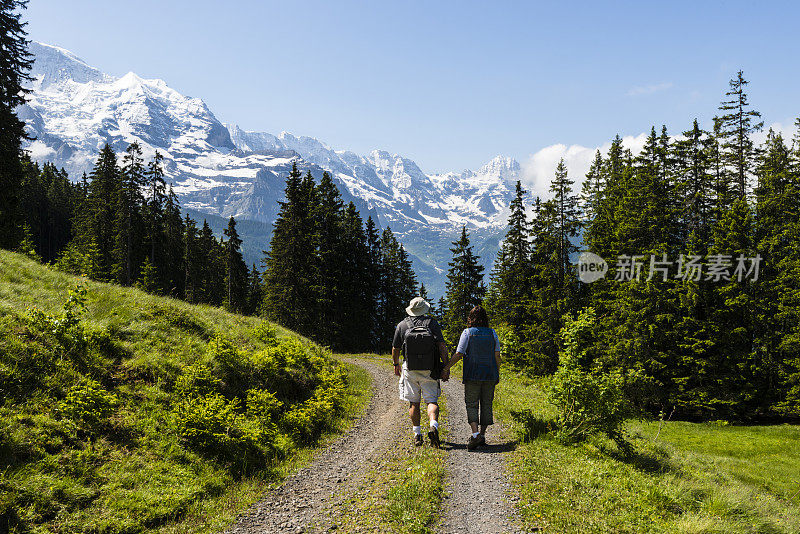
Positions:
{"x": 15, "y": 61}
{"x": 721, "y": 345}
{"x": 290, "y": 264}
{"x": 331, "y": 276}
{"x": 236, "y": 274}
{"x": 48, "y": 201}
{"x": 128, "y": 219}
{"x": 465, "y": 288}
{"x": 735, "y": 127}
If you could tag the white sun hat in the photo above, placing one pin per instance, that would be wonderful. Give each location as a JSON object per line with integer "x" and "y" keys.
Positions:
{"x": 418, "y": 307}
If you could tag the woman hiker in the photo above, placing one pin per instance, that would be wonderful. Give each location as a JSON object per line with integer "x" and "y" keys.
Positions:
{"x": 479, "y": 346}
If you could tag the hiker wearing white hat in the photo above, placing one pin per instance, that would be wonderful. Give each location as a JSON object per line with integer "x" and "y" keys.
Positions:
{"x": 418, "y": 338}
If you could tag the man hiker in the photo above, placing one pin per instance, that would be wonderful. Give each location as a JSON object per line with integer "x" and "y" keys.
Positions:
{"x": 418, "y": 338}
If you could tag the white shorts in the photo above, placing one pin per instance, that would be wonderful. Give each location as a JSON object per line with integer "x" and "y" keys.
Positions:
{"x": 416, "y": 384}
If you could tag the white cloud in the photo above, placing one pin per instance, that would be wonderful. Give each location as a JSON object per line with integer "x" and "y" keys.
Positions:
{"x": 640, "y": 90}
{"x": 538, "y": 170}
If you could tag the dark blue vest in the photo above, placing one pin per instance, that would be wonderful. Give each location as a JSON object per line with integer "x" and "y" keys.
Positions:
{"x": 479, "y": 361}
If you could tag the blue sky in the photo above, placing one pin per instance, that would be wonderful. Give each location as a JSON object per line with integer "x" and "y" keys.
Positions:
{"x": 447, "y": 84}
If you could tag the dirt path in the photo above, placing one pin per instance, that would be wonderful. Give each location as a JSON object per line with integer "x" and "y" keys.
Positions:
{"x": 303, "y": 502}
{"x": 478, "y": 495}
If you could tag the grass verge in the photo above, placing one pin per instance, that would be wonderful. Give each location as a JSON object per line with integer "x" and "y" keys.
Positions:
{"x": 695, "y": 478}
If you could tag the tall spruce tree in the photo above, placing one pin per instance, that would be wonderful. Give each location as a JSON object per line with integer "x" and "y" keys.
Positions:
{"x": 192, "y": 275}
{"x": 15, "y": 62}
{"x": 776, "y": 323}
{"x": 359, "y": 307}
{"x": 567, "y": 224}
{"x": 392, "y": 298}
{"x": 465, "y": 287}
{"x": 329, "y": 286}
{"x": 127, "y": 221}
{"x": 155, "y": 201}
{"x": 509, "y": 291}
{"x": 736, "y": 125}
{"x": 373, "y": 285}
{"x": 236, "y": 273}
{"x": 291, "y": 262}
{"x": 96, "y": 223}
{"x": 172, "y": 247}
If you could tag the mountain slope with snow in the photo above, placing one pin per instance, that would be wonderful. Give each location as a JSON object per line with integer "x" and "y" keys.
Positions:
{"x": 222, "y": 170}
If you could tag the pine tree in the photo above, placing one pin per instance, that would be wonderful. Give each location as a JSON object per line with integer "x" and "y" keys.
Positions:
{"x": 509, "y": 291}
{"x": 592, "y": 189}
{"x": 408, "y": 279}
{"x": 128, "y": 215}
{"x": 192, "y": 275}
{"x": 329, "y": 219}
{"x": 290, "y": 264}
{"x": 255, "y": 292}
{"x": 777, "y": 321}
{"x": 465, "y": 287}
{"x": 392, "y": 301}
{"x": 148, "y": 278}
{"x": 96, "y": 223}
{"x": 211, "y": 276}
{"x": 735, "y": 127}
{"x": 695, "y": 184}
{"x": 567, "y": 224}
{"x": 172, "y": 247}
{"x": 372, "y": 286}
{"x": 15, "y": 61}
{"x": 236, "y": 273}
{"x": 156, "y": 199}
{"x": 359, "y": 308}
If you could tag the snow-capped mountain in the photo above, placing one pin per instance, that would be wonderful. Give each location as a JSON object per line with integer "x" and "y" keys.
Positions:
{"x": 219, "y": 169}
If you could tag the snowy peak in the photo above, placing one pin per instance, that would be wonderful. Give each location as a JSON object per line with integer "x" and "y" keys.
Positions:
{"x": 53, "y": 64}
{"x": 501, "y": 167}
{"x": 74, "y": 109}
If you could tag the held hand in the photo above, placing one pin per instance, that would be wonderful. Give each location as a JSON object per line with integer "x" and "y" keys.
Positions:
{"x": 397, "y": 370}
{"x": 446, "y": 375}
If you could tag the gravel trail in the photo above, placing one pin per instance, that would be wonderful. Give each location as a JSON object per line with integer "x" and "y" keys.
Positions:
{"x": 478, "y": 497}
{"x": 302, "y": 504}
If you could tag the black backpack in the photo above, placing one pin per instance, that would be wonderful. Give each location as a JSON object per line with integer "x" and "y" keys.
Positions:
{"x": 419, "y": 345}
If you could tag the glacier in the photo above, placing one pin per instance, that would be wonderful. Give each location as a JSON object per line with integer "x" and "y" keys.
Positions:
{"x": 219, "y": 170}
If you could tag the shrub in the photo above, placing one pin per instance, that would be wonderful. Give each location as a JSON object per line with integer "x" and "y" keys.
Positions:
{"x": 66, "y": 328}
{"x": 195, "y": 381}
{"x": 213, "y": 424}
{"x": 590, "y": 400}
{"x": 266, "y": 333}
{"x": 510, "y": 339}
{"x": 262, "y": 404}
{"x": 89, "y": 404}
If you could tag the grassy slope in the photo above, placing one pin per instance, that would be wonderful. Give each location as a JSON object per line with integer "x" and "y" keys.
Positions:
{"x": 140, "y": 475}
{"x": 694, "y": 478}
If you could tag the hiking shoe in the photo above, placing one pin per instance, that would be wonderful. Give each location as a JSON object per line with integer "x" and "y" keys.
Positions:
{"x": 473, "y": 443}
{"x": 433, "y": 435}
{"x": 481, "y": 440}
{"x": 418, "y": 440}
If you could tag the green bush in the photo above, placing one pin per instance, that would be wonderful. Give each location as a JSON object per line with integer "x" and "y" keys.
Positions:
{"x": 590, "y": 399}
{"x": 196, "y": 381}
{"x": 213, "y": 424}
{"x": 89, "y": 405}
{"x": 266, "y": 333}
{"x": 262, "y": 404}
